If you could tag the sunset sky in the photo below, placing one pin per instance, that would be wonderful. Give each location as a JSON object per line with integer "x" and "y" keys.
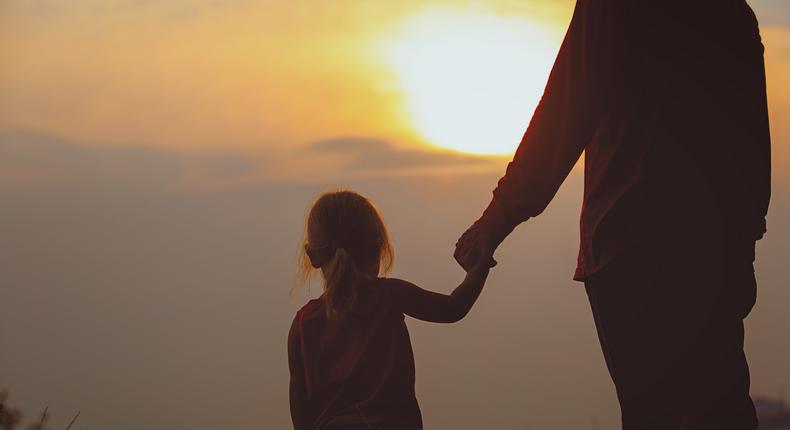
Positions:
{"x": 156, "y": 160}
{"x": 272, "y": 77}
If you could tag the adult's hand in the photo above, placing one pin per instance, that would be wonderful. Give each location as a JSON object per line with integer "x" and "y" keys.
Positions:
{"x": 472, "y": 247}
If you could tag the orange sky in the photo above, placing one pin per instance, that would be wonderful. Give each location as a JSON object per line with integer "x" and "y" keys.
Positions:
{"x": 196, "y": 74}
{"x": 270, "y": 76}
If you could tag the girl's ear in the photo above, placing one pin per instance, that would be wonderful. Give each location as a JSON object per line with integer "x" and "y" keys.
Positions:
{"x": 317, "y": 256}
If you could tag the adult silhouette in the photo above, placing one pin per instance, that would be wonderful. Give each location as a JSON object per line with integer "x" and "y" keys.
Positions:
{"x": 667, "y": 100}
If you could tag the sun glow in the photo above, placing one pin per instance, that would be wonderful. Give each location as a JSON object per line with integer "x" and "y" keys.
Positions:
{"x": 471, "y": 80}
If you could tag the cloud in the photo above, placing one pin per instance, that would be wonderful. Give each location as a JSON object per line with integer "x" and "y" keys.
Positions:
{"x": 372, "y": 154}
{"x": 31, "y": 159}
{"x": 35, "y": 160}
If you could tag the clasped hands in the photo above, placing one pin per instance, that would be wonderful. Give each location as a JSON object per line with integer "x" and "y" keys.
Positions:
{"x": 475, "y": 248}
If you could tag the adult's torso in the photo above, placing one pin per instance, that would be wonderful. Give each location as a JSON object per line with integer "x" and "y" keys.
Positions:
{"x": 683, "y": 144}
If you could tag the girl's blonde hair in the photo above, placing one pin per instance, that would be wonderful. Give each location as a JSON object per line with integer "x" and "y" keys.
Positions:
{"x": 346, "y": 239}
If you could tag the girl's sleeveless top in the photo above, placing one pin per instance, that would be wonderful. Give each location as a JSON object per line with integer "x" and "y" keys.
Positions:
{"x": 359, "y": 368}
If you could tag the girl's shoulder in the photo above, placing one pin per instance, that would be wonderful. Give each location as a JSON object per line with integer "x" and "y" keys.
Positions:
{"x": 390, "y": 283}
{"x": 396, "y": 290}
{"x": 310, "y": 308}
{"x": 381, "y": 293}
{"x": 383, "y": 296}
{"x": 395, "y": 285}
{"x": 309, "y": 315}
{"x": 388, "y": 286}
{"x": 312, "y": 305}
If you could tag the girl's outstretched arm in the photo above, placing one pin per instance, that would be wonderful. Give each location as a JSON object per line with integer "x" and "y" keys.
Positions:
{"x": 436, "y": 307}
{"x": 298, "y": 387}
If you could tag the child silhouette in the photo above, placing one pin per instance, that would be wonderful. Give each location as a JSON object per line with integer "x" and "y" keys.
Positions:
{"x": 349, "y": 351}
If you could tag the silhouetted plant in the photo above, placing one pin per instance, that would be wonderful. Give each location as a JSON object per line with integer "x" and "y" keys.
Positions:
{"x": 41, "y": 424}
{"x": 11, "y": 418}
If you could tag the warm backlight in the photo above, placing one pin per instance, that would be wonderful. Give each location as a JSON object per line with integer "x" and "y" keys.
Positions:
{"x": 471, "y": 80}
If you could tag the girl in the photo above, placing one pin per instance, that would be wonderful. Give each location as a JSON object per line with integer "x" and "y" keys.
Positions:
{"x": 349, "y": 352}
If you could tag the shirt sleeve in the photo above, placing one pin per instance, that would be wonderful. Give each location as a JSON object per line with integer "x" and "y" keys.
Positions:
{"x": 562, "y": 125}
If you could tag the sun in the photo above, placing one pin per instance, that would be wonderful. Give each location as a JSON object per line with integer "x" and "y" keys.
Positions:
{"x": 471, "y": 80}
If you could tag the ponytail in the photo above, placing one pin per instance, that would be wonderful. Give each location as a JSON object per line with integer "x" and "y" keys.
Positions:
{"x": 342, "y": 276}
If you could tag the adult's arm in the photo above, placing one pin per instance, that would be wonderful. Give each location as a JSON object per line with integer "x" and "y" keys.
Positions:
{"x": 298, "y": 385}
{"x": 563, "y": 123}
{"x": 436, "y": 307}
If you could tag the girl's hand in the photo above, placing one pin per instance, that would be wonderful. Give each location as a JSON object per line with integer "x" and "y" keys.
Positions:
{"x": 474, "y": 251}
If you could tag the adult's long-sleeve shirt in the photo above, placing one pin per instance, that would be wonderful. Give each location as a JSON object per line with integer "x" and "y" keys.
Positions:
{"x": 667, "y": 100}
